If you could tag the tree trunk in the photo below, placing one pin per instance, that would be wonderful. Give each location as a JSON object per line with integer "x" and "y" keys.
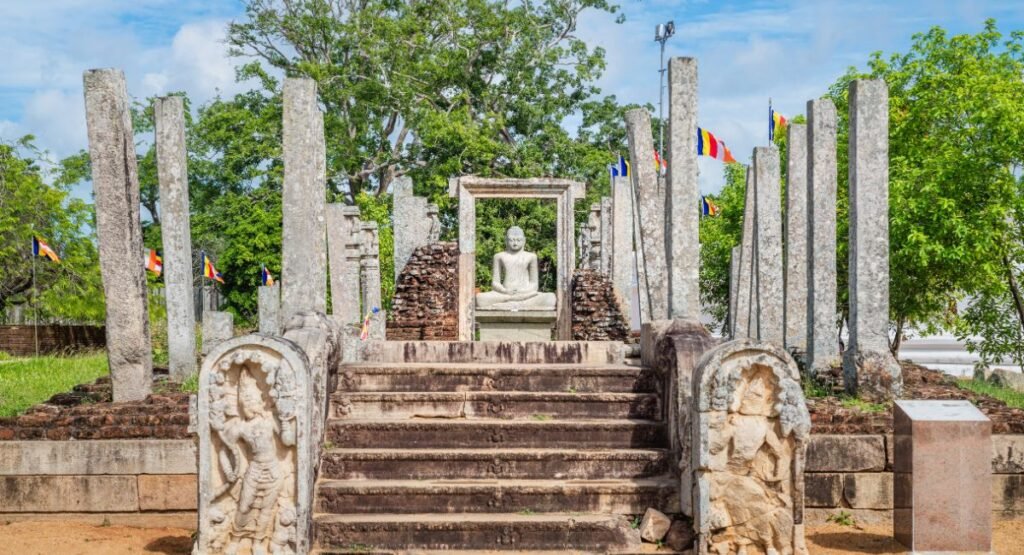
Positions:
{"x": 897, "y": 341}
{"x": 1018, "y": 299}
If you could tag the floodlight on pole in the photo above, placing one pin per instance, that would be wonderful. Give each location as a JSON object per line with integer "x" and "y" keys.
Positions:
{"x": 662, "y": 33}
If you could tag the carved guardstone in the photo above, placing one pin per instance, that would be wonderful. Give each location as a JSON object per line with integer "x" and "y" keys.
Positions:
{"x": 254, "y": 417}
{"x": 750, "y": 428}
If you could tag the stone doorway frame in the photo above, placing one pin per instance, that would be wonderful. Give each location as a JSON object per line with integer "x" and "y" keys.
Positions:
{"x": 467, "y": 189}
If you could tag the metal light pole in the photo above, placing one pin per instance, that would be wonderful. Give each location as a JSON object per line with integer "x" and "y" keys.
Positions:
{"x": 661, "y": 34}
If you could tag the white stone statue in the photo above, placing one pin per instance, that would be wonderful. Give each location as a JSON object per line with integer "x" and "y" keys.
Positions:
{"x": 514, "y": 279}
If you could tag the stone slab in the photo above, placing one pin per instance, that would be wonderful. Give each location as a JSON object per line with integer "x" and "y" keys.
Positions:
{"x": 269, "y": 300}
{"x": 869, "y": 490}
{"x": 1008, "y": 454}
{"x": 942, "y": 476}
{"x": 96, "y": 457}
{"x": 45, "y": 494}
{"x": 169, "y": 519}
{"x": 500, "y": 352}
{"x": 525, "y": 329}
{"x": 852, "y": 453}
{"x": 217, "y": 327}
{"x": 823, "y": 489}
{"x": 175, "y": 492}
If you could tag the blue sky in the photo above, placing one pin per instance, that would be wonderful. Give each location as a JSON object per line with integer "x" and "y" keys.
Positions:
{"x": 747, "y": 52}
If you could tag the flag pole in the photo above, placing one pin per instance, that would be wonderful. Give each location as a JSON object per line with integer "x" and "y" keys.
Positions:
{"x": 35, "y": 302}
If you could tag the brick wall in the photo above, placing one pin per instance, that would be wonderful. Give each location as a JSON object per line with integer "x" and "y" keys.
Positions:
{"x": 425, "y": 306}
{"x": 596, "y": 314}
{"x": 20, "y": 340}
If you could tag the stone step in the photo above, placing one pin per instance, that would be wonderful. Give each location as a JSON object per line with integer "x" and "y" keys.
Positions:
{"x": 610, "y": 378}
{"x": 495, "y": 404}
{"x": 496, "y": 352}
{"x": 478, "y": 532}
{"x": 496, "y": 496}
{"x": 454, "y": 464}
{"x": 486, "y": 433}
{"x": 642, "y": 549}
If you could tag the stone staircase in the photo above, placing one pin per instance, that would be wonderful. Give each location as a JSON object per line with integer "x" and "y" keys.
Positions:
{"x": 527, "y": 449}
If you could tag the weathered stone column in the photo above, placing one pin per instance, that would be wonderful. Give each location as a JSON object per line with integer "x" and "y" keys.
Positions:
{"x": 622, "y": 263}
{"x": 586, "y": 244}
{"x": 172, "y": 172}
{"x": 869, "y": 369}
{"x": 768, "y": 245}
{"x": 414, "y": 222}
{"x": 683, "y": 196}
{"x": 796, "y": 240}
{"x": 734, "y": 278}
{"x": 115, "y": 181}
{"x": 218, "y": 327}
{"x": 304, "y": 196}
{"x": 370, "y": 266}
{"x": 596, "y": 243}
{"x": 269, "y": 298}
{"x": 651, "y": 205}
{"x": 745, "y": 284}
{"x": 822, "y": 333}
{"x": 344, "y": 240}
{"x": 607, "y": 242}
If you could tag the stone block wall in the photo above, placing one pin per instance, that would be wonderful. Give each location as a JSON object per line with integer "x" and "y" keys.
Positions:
{"x": 425, "y": 306}
{"x": 853, "y": 473}
{"x": 20, "y": 340}
{"x": 596, "y": 313}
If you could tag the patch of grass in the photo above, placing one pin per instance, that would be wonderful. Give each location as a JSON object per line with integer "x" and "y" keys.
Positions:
{"x": 191, "y": 383}
{"x": 841, "y": 518}
{"x": 527, "y": 512}
{"x": 1012, "y": 398}
{"x": 862, "y": 405}
{"x": 636, "y": 522}
{"x": 814, "y": 389}
{"x": 572, "y": 390}
{"x": 541, "y": 417}
{"x": 359, "y": 548}
{"x": 26, "y": 382}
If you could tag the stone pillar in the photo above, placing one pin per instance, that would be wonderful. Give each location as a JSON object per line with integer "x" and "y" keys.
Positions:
{"x": 745, "y": 283}
{"x": 729, "y": 477}
{"x": 622, "y": 262}
{"x": 869, "y": 369}
{"x": 586, "y": 245}
{"x": 172, "y": 172}
{"x": 115, "y": 181}
{"x": 683, "y": 196}
{"x": 651, "y": 205}
{"x": 822, "y": 333}
{"x": 218, "y": 327}
{"x": 467, "y": 263}
{"x": 596, "y": 246}
{"x": 344, "y": 240}
{"x": 768, "y": 245}
{"x": 796, "y": 240}
{"x": 734, "y": 277}
{"x": 607, "y": 242}
{"x": 370, "y": 268}
{"x": 304, "y": 227}
{"x": 413, "y": 224}
{"x": 270, "y": 309}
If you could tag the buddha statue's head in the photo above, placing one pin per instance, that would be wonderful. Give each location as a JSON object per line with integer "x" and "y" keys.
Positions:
{"x": 515, "y": 239}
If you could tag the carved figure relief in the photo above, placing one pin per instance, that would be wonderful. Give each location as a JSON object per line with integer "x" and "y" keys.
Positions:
{"x": 253, "y": 400}
{"x": 751, "y": 427}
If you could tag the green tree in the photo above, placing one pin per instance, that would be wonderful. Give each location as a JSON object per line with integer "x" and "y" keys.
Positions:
{"x": 30, "y": 206}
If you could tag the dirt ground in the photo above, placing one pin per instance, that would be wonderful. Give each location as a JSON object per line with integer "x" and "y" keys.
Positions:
{"x": 72, "y": 538}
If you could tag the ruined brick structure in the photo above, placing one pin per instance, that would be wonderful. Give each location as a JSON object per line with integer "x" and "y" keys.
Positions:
{"x": 56, "y": 338}
{"x": 426, "y": 296}
{"x": 596, "y": 315}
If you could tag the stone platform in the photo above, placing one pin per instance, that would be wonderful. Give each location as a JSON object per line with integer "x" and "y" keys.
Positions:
{"x": 515, "y": 325}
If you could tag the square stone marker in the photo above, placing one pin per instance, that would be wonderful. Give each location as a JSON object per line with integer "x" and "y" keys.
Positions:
{"x": 942, "y": 474}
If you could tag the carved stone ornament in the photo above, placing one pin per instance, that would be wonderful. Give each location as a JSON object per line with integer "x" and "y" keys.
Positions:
{"x": 254, "y": 415}
{"x": 750, "y": 431}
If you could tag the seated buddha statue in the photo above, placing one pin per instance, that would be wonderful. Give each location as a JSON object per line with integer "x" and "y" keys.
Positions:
{"x": 514, "y": 281}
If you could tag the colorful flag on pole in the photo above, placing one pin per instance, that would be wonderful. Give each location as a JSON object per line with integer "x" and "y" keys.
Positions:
{"x": 265, "y": 277}
{"x": 659, "y": 164}
{"x": 40, "y": 248}
{"x": 154, "y": 262}
{"x": 708, "y": 208}
{"x": 709, "y": 145}
{"x": 620, "y": 169}
{"x": 365, "y": 333}
{"x": 776, "y": 122}
{"x": 209, "y": 271}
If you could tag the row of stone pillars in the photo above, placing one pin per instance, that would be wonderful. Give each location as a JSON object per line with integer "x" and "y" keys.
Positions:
{"x": 802, "y": 314}
{"x": 355, "y": 266}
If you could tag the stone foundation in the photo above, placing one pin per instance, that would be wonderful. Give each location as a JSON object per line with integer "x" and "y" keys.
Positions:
{"x": 425, "y": 306}
{"x": 596, "y": 312}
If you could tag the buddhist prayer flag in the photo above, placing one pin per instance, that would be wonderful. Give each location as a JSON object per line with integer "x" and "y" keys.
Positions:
{"x": 209, "y": 271}
{"x": 708, "y": 208}
{"x": 709, "y": 145}
{"x": 776, "y": 123}
{"x": 154, "y": 263}
{"x": 265, "y": 277}
{"x": 365, "y": 333}
{"x": 40, "y": 248}
{"x": 621, "y": 169}
{"x": 659, "y": 164}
